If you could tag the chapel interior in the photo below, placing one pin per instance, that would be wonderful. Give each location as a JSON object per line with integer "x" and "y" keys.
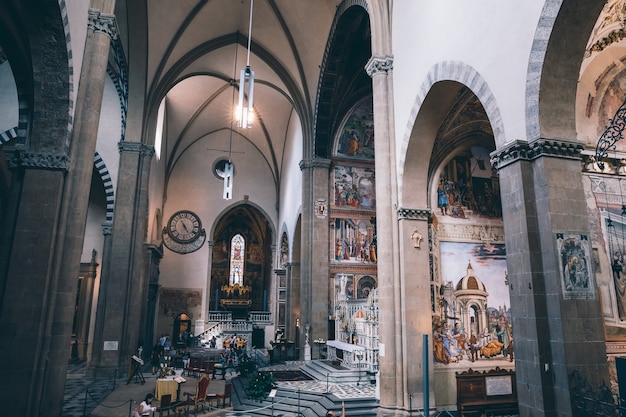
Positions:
{"x": 368, "y": 182}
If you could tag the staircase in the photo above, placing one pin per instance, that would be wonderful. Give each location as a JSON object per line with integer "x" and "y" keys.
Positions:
{"x": 291, "y": 403}
{"x": 324, "y": 370}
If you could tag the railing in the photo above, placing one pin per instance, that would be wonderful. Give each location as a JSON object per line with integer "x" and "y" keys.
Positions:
{"x": 219, "y": 316}
{"x": 223, "y": 324}
{"x": 260, "y": 317}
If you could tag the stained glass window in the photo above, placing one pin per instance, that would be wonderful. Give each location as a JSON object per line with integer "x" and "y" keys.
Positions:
{"x": 237, "y": 255}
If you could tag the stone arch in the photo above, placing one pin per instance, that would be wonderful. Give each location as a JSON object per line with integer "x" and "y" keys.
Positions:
{"x": 553, "y": 68}
{"x": 350, "y": 14}
{"x": 103, "y": 171}
{"x": 259, "y": 232}
{"x": 33, "y": 56}
{"x": 445, "y": 78}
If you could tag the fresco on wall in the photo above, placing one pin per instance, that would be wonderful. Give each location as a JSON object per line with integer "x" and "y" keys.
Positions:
{"x": 473, "y": 323}
{"x": 611, "y": 101}
{"x": 354, "y": 187}
{"x": 468, "y": 187}
{"x": 172, "y": 302}
{"x": 356, "y": 137}
{"x": 354, "y": 240}
{"x": 575, "y": 266}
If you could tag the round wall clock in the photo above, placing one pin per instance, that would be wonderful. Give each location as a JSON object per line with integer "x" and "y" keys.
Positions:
{"x": 184, "y": 232}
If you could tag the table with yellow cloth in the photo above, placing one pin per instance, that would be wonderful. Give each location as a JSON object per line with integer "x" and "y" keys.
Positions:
{"x": 164, "y": 387}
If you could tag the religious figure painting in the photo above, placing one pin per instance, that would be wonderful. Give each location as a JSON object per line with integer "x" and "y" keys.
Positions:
{"x": 575, "y": 266}
{"x": 355, "y": 241}
{"x": 354, "y": 187}
{"x": 356, "y": 137}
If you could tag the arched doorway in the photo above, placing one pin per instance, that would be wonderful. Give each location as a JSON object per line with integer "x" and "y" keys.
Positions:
{"x": 181, "y": 333}
{"x": 241, "y": 263}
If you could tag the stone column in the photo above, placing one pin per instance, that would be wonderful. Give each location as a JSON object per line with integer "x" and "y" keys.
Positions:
{"x": 314, "y": 280}
{"x": 153, "y": 259}
{"x": 119, "y": 321}
{"x": 392, "y": 366}
{"x": 416, "y": 316}
{"x": 96, "y": 348}
{"x": 102, "y": 28}
{"x": 208, "y": 295}
{"x": 85, "y": 302}
{"x": 556, "y": 330}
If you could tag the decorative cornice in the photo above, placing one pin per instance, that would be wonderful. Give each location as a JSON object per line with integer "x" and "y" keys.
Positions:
{"x": 414, "y": 214}
{"x": 102, "y": 23}
{"x": 314, "y": 163}
{"x": 379, "y": 65}
{"x": 470, "y": 233}
{"x": 24, "y": 159}
{"x": 136, "y": 147}
{"x": 524, "y": 151}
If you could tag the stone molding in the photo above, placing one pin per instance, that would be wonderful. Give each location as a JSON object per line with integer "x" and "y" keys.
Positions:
{"x": 379, "y": 65}
{"x": 24, "y": 159}
{"x": 135, "y": 147}
{"x": 103, "y": 23}
{"x": 521, "y": 150}
{"x": 414, "y": 214}
{"x": 470, "y": 233}
{"x": 315, "y": 163}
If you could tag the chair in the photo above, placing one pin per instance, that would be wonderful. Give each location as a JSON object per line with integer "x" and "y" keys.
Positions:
{"x": 200, "y": 398}
{"x": 168, "y": 405}
{"x": 194, "y": 367}
{"x": 228, "y": 390}
{"x": 208, "y": 367}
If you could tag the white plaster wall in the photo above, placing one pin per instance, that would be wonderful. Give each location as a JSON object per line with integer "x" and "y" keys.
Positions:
{"x": 109, "y": 130}
{"x": 155, "y": 187}
{"x": 77, "y": 18}
{"x": 491, "y": 36}
{"x": 8, "y": 98}
{"x": 291, "y": 185}
{"x": 192, "y": 186}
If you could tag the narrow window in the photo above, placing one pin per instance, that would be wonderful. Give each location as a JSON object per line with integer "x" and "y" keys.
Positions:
{"x": 237, "y": 255}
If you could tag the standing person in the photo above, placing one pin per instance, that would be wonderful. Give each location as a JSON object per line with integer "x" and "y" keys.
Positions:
{"x": 155, "y": 356}
{"x": 343, "y": 411}
{"x": 186, "y": 357}
{"x": 145, "y": 408}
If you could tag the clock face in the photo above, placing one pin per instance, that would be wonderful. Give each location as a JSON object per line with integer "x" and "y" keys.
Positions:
{"x": 184, "y": 226}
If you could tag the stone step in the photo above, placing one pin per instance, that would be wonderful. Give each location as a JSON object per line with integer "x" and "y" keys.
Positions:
{"x": 290, "y": 403}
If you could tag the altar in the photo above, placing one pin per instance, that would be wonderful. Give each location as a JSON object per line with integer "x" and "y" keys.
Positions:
{"x": 350, "y": 355}
{"x": 169, "y": 385}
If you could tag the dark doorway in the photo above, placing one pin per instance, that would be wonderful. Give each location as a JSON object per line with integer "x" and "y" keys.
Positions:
{"x": 182, "y": 331}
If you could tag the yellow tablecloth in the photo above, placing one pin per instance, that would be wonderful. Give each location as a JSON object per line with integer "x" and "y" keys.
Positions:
{"x": 164, "y": 387}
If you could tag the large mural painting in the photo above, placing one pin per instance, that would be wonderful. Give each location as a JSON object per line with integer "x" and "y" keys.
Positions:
{"x": 474, "y": 320}
{"x": 356, "y": 139}
{"x": 352, "y": 246}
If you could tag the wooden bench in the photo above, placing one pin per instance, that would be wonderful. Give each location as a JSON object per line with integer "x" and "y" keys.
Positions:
{"x": 487, "y": 393}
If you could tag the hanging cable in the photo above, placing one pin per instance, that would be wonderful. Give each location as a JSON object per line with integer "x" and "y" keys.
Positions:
{"x": 249, "y": 33}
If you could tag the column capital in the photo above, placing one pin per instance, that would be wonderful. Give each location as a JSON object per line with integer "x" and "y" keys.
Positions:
{"x": 107, "y": 228}
{"x": 103, "y": 23}
{"x": 405, "y": 213}
{"x": 379, "y": 65}
{"x": 521, "y": 150}
{"x": 314, "y": 163}
{"x": 135, "y": 147}
{"x": 37, "y": 160}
